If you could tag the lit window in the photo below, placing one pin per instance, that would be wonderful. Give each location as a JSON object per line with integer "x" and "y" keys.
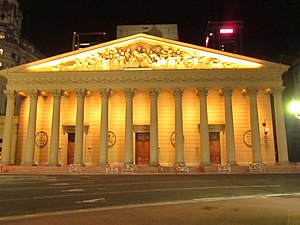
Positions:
{"x": 2, "y": 36}
{"x": 0, "y": 64}
{"x": 1, "y": 51}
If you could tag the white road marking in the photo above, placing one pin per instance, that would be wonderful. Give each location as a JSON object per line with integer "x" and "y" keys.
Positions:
{"x": 92, "y": 200}
{"x": 73, "y": 190}
{"x": 148, "y": 190}
{"x": 61, "y": 184}
{"x": 263, "y": 196}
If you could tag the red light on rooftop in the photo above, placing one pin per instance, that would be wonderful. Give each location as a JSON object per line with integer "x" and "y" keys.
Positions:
{"x": 226, "y": 31}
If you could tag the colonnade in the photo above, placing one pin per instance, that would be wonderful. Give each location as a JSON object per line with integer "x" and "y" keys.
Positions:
{"x": 128, "y": 148}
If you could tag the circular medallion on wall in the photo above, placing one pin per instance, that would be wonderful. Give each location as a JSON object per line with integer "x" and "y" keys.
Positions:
{"x": 172, "y": 139}
{"x": 111, "y": 139}
{"x": 41, "y": 139}
{"x": 247, "y": 138}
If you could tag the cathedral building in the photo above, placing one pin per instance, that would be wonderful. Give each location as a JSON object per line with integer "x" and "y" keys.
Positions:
{"x": 146, "y": 101}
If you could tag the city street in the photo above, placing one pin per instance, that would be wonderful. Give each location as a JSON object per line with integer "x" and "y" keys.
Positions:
{"x": 134, "y": 198}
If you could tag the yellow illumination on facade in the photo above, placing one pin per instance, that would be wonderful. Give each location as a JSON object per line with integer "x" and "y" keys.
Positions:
{"x": 142, "y": 53}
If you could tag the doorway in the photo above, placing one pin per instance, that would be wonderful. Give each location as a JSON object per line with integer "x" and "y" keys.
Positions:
{"x": 71, "y": 145}
{"x": 142, "y": 148}
{"x": 214, "y": 147}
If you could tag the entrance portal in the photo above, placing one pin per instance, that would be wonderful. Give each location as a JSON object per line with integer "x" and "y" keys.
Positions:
{"x": 142, "y": 148}
{"x": 214, "y": 147}
{"x": 71, "y": 144}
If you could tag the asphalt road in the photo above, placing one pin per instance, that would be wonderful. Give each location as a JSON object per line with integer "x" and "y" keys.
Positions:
{"x": 22, "y": 196}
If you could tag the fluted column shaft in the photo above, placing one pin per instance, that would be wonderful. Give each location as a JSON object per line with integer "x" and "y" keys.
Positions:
{"x": 79, "y": 130}
{"x": 31, "y": 129}
{"x": 54, "y": 143}
{"x": 255, "y": 136}
{"x": 154, "y": 154}
{"x": 8, "y": 127}
{"x": 129, "y": 93}
{"x": 179, "y": 145}
{"x": 280, "y": 126}
{"x": 103, "y": 154}
{"x": 230, "y": 145}
{"x": 204, "y": 131}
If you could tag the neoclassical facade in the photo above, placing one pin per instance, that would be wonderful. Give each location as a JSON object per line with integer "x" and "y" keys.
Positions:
{"x": 147, "y": 101}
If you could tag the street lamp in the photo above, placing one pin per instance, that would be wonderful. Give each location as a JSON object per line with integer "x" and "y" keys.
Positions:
{"x": 294, "y": 108}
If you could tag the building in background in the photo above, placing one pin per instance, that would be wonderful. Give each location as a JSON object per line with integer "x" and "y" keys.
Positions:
{"x": 83, "y": 40}
{"x": 225, "y": 36}
{"x": 13, "y": 50}
{"x": 291, "y": 83}
{"x": 169, "y": 31}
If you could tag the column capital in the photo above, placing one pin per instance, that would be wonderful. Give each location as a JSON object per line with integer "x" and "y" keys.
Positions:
{"x": 129, "y": 92}
{"x": 81, "y": 93}
{"x": 202, "y": 91}
{"x": 276, "y": 90}
{"x": 105, "y": 92}
{"x": 57, "y": 93}
{"x": 11, "y": 94}
{"x": 153, "y": 92}
{"x": 227, "y": 91}
{"x": 252, "y": 91}
{"x": 177, "y": 92}
{"x": 34, "y": 94}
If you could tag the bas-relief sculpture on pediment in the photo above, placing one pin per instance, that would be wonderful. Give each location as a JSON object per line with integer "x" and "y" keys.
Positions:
{"x": 144, "y": 56}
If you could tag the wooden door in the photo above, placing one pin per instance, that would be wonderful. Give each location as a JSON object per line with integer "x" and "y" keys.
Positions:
{"x": 71, "y": 145}
{"x": 142, "y": 148}
{"x": 214, "y": 146}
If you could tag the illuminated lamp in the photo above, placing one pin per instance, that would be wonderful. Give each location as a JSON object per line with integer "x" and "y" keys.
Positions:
{"x": 294, "y": 108}
{"x": 206, "y": 41}
{"x": 226, "y": 31}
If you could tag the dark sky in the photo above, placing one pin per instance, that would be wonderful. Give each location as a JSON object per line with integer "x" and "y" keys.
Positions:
{"x": 271, "y": 27}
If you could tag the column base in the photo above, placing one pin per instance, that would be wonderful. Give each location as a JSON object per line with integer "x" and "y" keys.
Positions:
{"x": 5, "y": 163}
{"x": 205, "y": 164}
{"x": 29, "y": 164}
{"x": 232, "y": 163}
{"x": 103, "y": 164}
{"x": 53, "y": 164}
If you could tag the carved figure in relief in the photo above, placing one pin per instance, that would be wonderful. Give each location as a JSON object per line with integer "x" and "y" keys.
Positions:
{"x": 142, "y": 56}
{"x": 139, "y": 58}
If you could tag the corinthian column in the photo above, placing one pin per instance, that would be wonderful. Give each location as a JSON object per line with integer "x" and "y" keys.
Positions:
{"x": 179, "y": 146}
{"x": 204, "y": 132}
{"x": 103, "y": 156}
{"x": 153, "y": 127}
{"x": 230, "y": 146}
{"x": 129, "y": 93}
{"x": 280, "y": 126}
{"x": 54, "y": 144}
{"x": 255, "y": 137}
{"x": 8, "y": 127}
{"x": 31, "y": 129}
{"x": 78, "y": 149}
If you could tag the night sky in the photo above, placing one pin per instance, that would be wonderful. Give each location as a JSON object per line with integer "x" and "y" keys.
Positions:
{"x": 271, "y": 27}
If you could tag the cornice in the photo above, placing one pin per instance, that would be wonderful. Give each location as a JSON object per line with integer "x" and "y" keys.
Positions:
{"x": 159, "y": 79}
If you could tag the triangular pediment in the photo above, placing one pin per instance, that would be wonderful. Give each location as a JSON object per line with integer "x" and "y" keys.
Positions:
{"x": 143, "y": 52}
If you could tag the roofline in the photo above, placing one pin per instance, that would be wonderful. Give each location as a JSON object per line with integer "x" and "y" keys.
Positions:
{"x": 155, "y": 38}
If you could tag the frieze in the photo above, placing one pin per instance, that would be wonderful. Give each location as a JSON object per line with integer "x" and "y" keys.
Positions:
{"x": 144, "y": 56}
{"x": 82, "y": 80}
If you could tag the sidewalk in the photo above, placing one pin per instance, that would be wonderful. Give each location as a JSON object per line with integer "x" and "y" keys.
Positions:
{"x": 120, "y": 169}
{"x": 254, "y": 210}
